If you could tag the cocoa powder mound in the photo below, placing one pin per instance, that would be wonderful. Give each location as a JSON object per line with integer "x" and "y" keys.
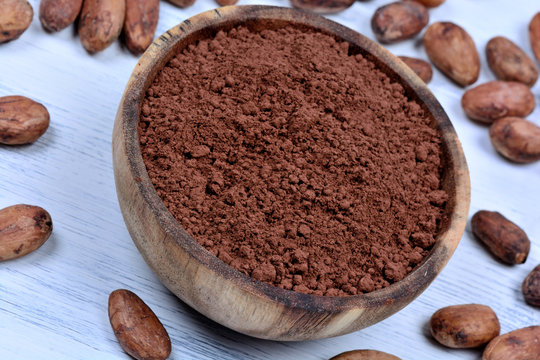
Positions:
{"x": 294, "y": 162}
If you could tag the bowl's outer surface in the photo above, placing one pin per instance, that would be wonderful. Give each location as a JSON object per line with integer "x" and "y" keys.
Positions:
{"x": 214, "y": 288}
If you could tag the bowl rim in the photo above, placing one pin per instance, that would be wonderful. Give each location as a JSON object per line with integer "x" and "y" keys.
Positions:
{"x": 162, "y": 50}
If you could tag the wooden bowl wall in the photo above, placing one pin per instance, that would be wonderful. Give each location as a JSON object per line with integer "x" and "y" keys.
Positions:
{"x": 216, "y": 289}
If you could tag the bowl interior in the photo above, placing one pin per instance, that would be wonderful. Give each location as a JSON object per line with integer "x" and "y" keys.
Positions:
{"x": 206, "y": 25}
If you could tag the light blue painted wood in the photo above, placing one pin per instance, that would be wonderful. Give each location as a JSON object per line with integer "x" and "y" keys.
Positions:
{"x": 53, "y": 302}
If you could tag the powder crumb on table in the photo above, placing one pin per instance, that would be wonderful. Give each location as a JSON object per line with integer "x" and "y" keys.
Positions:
{"x": 294, "y": 162}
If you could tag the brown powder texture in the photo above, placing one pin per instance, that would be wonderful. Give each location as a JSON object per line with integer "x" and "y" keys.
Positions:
{"x": 294, "y": 162}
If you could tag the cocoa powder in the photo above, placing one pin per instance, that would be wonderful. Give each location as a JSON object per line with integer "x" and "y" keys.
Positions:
{"x": 294, "y": 162}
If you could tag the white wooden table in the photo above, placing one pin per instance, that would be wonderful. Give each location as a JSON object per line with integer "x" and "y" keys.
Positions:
{"x": 53, "y": 302}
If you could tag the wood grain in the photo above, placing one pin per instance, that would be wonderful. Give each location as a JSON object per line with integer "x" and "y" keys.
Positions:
{"x": 53, "y": 302}
{"x": 214, "y": 288}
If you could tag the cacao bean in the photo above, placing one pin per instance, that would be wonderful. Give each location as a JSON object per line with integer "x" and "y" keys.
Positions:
{"x": 498, "y": 99}
{"x": 137, "y": 328}
{"x": 452, "y": 50}
{"x": 140, "y": 24}
{"x": 398, "y": 21}
{"x": 182, "y": 3}
{"x": 531, "y": 287}
{"x": 521, "y": 344}
{"x": 516, "y": 139}
{"x": 23, "y": 229}
{"x": 322, "y": 6}
{"x": 431, "y": 3}
{"x": 534, "y": 35}
{"x": 226, "y": 2}
{"x": 365, "y": 355}
{"x": 101, "y": 23}
{"x": 502, "y": 237}
{"x": 420, "y": 67}
{"x": 509, "y": 62}
{"x": 15, "y": 18}
{"x": 464, "y": 326}
{"x": 56, "y": 15}
{"x": 22, "y": 120}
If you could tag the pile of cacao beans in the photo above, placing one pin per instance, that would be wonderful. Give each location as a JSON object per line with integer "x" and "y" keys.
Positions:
{"x": 100, "y": 22}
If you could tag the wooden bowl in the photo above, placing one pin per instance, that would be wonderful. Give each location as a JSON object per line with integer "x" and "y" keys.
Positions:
{"x": 217, "y": 290}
